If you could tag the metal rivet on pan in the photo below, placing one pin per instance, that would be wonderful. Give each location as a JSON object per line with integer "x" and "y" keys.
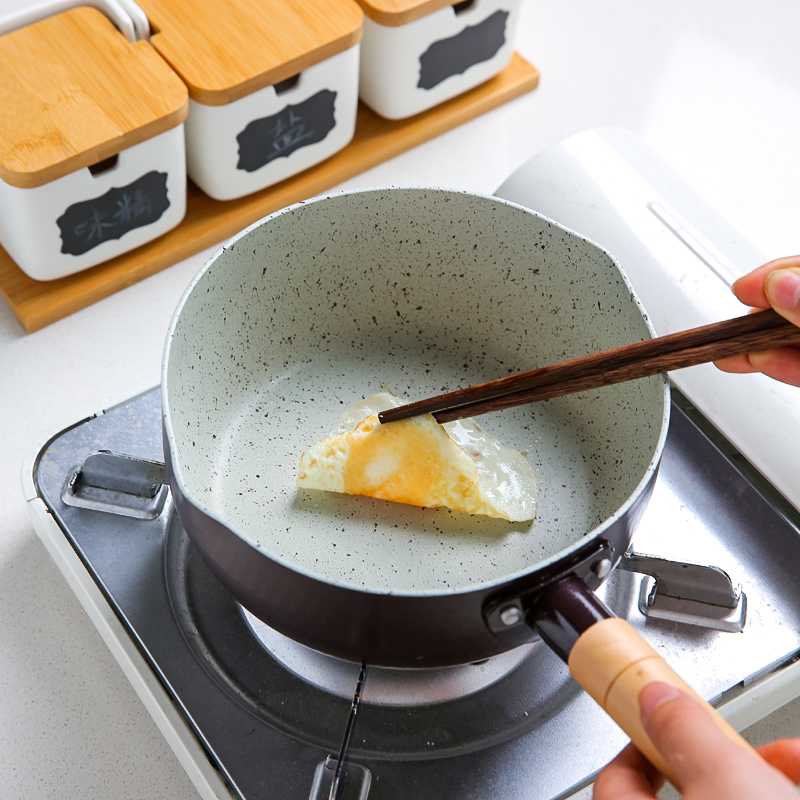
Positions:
{"x": 510, "y": 615}
{"x": 602, "y": 567}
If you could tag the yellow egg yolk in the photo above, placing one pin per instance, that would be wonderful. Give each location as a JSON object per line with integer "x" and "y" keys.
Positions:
{"x": 419, "y": 462}
{"x": 408, "y": 462}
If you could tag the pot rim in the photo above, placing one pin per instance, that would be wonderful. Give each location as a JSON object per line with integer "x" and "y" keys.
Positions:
{"x": 561, "y": 555}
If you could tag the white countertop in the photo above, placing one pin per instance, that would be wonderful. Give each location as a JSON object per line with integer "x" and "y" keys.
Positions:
{"x": 712, "y": 85}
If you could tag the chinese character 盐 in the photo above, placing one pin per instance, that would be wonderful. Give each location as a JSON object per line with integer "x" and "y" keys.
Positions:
{"x": 289, "y": 135}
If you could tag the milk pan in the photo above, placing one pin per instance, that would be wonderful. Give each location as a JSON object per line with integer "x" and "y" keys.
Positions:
{"x": 419, "y": 291}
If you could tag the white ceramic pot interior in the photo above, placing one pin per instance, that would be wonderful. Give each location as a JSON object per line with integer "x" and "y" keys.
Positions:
{"x": 421, "y": 291}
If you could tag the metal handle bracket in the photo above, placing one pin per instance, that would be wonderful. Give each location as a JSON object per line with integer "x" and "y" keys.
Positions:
{"x": 510, "y": 610}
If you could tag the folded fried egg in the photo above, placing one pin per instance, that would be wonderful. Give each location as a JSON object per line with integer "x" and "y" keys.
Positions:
{"x": 420, "y": 462}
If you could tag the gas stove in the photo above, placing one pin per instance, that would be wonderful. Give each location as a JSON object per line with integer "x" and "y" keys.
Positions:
{"x": 252, "y": 714}
{"x": 261, "y": 716}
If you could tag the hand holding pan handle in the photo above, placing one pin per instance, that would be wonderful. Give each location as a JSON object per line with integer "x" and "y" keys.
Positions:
{"x": 609, "y": 659}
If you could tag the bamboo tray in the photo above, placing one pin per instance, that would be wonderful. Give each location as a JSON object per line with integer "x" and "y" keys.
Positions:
{"x": 39, "y": 303}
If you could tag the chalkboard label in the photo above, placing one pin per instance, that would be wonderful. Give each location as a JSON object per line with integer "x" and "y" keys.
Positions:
{"x": 278, "y": 136}
{"x": 457, "y": 54}
{"x": 89, "y": 223}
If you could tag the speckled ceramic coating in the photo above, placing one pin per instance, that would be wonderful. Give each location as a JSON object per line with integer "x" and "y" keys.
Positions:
{"x": 420, "y": 291}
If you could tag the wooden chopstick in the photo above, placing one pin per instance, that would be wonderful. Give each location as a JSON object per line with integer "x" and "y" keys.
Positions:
{"x": 751, "y": 333}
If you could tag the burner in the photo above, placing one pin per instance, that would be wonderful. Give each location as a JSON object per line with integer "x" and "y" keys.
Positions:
{"x": 406, "y": 714}
{"x": 386, "y": 687}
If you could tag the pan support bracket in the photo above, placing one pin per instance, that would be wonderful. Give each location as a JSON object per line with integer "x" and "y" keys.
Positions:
{"x": 118, "y": 484}
{"x": 357, "y": 783}
{"x": 691, "y": 594}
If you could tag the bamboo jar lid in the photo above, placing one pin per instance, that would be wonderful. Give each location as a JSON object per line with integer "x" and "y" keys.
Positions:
{"x": 224, "y": 51}
{"x": 399, "y": 12}
{"x": 73, "y": 91}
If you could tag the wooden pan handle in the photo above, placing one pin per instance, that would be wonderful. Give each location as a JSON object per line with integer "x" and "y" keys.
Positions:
{"x": 613, "y": 663}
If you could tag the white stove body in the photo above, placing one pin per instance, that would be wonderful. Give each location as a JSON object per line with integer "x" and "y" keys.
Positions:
{"x": 682, "y": 259}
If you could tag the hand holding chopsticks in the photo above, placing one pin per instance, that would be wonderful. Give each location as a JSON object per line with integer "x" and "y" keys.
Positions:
{"x": 761, "y": 330}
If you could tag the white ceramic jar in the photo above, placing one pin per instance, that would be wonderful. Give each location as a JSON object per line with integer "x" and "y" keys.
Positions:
{"x": 87, "y": 179}
{"x": 85, "y": 218}
{"x": 273, "y": 85}
{"x": 417, "y": 57}
{"x": 264, "y": 137}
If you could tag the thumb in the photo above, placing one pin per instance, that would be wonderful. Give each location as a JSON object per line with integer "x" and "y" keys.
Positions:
{"x": 684, "y": 733}
{"x": 782, "y": 288}
{"x": 702, "y": 757}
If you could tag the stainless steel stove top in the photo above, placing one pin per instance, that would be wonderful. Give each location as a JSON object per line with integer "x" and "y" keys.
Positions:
{"x": 266, "y": 715}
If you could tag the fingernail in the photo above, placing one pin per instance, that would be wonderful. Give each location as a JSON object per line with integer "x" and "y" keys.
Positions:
{"x": 654, "y": 695}
{"x": 782, "y": 288}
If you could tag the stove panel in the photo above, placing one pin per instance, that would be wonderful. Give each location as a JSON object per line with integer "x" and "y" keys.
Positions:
{"x": 530, "y": 734}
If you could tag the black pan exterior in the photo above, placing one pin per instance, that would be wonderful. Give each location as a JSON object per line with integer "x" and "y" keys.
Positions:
{"x": 389, "y": 630}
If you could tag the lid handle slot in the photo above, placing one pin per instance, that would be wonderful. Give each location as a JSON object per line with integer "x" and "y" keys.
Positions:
{"x": 281, "y": 87}
{"x": 105, "y": 165}
{"x": 463, "y": 6}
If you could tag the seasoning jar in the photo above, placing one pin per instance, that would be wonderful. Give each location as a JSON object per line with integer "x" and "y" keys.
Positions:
{"x": 273, "y": 85}
{"x": 416, "y": 54}
{"x": 92, "y": 160}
